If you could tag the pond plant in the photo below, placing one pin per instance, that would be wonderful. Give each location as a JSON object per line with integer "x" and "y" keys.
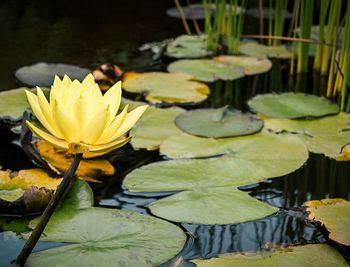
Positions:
{"x": 215, "y": 152}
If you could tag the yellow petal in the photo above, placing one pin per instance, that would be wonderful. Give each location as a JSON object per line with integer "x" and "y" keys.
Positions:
{"x": 130, "y": 119}
{"x": 109, "y": 146}
{"x": 47, "y": 137}
{"x": 66, "y": 123}
{"x": 112, "y": 98}
{"x": 113, "y": 127}
{"x": 95, "y": 127}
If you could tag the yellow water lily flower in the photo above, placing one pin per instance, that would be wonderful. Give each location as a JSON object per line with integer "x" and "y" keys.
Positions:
{"x": 80, "y": 119}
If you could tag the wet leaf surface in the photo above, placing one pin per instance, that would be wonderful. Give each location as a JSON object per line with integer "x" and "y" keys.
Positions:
{"x": 262, "y": 51}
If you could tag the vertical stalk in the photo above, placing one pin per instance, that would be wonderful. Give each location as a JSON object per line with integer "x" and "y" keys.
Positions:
{"x": 65, "y": 185}
{"x": 183, "y": 18}
{"x": 261, "y": 18}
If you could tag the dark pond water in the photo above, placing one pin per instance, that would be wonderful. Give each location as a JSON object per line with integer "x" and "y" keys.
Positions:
{"x": 84, "y": 34}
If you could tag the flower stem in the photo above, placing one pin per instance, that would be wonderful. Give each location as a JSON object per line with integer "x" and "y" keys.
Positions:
{"x": 65, "y": 185}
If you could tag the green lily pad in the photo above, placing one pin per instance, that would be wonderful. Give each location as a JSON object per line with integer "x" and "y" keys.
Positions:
{"x": 334, "y": 214}
{"x": 328, "y": 135}
{"x": 292, "y": 105}
{"x": 108, "y": 237}
{"x": 14, "y": 102}
{"x": 262, "y": 51}
{"x": 211, "y": 184}
{"x": 154, "y": 127}
{"x": 166, "y": 87}
{"x": 267, "y": 13}
{"x": 43, "y": 74}
{"x": 251, "y": 65}
{"x": 312, "y": 255}
{"x": 206, "y": 70}
{"x": 188, "y": 46}
{"x": 218, "y": 123}
{"x": 315, "y": 32}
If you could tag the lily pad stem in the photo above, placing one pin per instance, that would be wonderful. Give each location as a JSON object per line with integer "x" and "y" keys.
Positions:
{"x": 65, "y": 185}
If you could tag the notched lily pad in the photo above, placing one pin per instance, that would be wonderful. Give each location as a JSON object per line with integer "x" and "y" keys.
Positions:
{"x": 262, "y": 51}
{"x": 188, "y": 46}
{"x": 307, "y": 256}
{"x": 292, "y": 105}
{"x": 334, "y": 214}
{"x": 60, "y": 160}
{"x": 218, "y": 123}
{"x": 251, "y": 65}
{"x": 43, "y": 74}
{"x": 166, "y": 87}
{"x": 206, "y": 70}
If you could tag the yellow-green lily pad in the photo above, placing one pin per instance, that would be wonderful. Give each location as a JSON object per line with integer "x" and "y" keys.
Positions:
{"x": 311, "y": 255}
{"x": 262, "y": 51}
{"x": 188, "y": 46}
{"x": 292, "y": 105}
{"x": 334, "y": 214}
{"x": 166, "y": 87}
{"x": 218, "y": 123}
{"x": 207, "y": 70}
{"x": 251, "y": 65}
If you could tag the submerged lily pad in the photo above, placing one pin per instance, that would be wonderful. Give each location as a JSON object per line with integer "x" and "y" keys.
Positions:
{"x": 211, "y": 184}
{"x": 218, "y": 123}
{"x": 262, "y": 51}
{"x": 251, "y": 65}
{"x": 334, "y": 214}
{"x": 107, "y": 237}
{"x": 206, "y": 70}
{"x": 43, "y": 74}
{"x": 188, "y": 46}
{"x": 329, "y": 135}
{"x": 89, "y": 169}
{"x": 292, "y": 105}
{"x": 166, "y": 87}
{"x": 312, "y": 255}
{"x": 14, "y": 102}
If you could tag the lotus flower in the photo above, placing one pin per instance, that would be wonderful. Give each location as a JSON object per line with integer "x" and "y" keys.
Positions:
{"x": 80, "y": 119}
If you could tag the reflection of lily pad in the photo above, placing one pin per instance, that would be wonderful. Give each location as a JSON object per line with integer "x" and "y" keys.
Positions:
{"x": 107, "y": 237}
{"x": 292, "y": 105}
{"x": 207, "y": 70}
{"x": 334, "y": 214}
{"x": 43, "y": 74}
{"x": 312, "y": 255}
{"x": 328, "y": 135}
{"x": 154, "y": 126}
{"x": 166, "y": 87}
{"x": 188, "y": 46}
{"x": 218, "y": 123}
{"x": 89, "y": 169}
{"x": 14, "y": 102}
{"x": 211, "y": 184}
{"x": 262, "y": 51}
{"x": 251, "y": 65}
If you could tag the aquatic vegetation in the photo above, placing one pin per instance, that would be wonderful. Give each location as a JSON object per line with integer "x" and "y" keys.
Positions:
{"x": 261, "y": 51}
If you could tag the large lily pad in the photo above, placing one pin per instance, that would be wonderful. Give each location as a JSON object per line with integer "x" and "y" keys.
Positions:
{"x": 207, "y": 70}
{"x": 217, "y": 123}
{"x": 292, "y": 105}
{"x": 43, "y": 74}
{"x": 329, "y": 135}
{"x": 166, "y": 87}
{"x": 334, "y": 214}
{"x": 188, "y": 46}
{"x": 251, "y": 65}
{"x": 154, "y": 127}
{"x": 312, "y": 255}
{"x": 14, "y": 102}
{"x": 107, "y": 237}
{"x": 262, "y": 51}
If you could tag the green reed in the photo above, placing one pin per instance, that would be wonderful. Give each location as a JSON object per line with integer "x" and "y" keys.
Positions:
{"x": 276, "y": 25}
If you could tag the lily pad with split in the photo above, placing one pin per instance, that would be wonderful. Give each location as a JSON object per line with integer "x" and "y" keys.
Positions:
{"x": 307, "y": 256}
{"x": 262, "y": 51}
{"x": 218, "y": 123}
{"x": 43, "y": 74}
{"x": 251, "y": 65}
{"x": 207, "y": 70}
{"x": 292, "y": 105}
{"x": 334, "y": 214}
{"x": 164, "y": 87}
